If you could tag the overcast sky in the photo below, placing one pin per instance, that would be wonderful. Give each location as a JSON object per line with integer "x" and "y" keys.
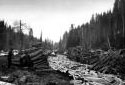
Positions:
{"x": 52, "y": 17}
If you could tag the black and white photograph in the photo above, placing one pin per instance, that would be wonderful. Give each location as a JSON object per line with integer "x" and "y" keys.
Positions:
{"x": 62, "y": 42}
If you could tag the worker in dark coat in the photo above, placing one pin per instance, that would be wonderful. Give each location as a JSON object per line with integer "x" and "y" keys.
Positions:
{"x": 25, "y": 60}
{"x": 10, "y": 54}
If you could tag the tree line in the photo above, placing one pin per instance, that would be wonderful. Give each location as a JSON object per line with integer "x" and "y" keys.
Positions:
{"x": 9, "y": 38}
{"x": 105, "y": 31}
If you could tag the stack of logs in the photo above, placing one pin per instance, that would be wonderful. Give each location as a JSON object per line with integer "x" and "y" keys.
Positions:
{"x": 111, "y": 61}
{"x": 38, "y": 57}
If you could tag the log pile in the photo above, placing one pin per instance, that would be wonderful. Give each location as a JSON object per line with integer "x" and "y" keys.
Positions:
{"x": 42, "y": 74}
{"x": 38, "y": 57}
{"x": 111, "y": 62}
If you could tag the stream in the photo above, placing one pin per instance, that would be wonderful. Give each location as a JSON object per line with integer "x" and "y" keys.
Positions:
{"x": 80, "y": 72}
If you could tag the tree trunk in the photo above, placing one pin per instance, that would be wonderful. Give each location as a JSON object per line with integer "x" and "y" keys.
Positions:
{"x": 108, "y": 42}
{"x": 123, "y": 29}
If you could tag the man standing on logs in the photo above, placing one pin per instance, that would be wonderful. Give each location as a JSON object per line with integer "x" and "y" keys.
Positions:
{"x": 25, "y": 60}
{"x": 10, "y": 54}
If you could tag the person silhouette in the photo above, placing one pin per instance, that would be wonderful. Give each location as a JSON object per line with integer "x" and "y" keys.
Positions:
{"x": 10, "y": 54}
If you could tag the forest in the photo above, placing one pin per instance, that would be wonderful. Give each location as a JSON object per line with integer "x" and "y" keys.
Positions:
{"x": 15, "y": 38}
{"x": 11, "y": 37}
{"x": 104, "y": 31}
